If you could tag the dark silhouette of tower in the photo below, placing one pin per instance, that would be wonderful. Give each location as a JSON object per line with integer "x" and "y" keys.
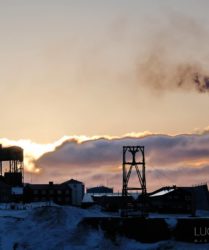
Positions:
{"x": 14, "y": 156}
{"x": 138, "y": 164}
{"x": 133, "y": 158}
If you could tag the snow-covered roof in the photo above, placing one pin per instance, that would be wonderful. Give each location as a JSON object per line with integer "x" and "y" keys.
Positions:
{"x": 87, "y": 198}
{"x": 105, "y": 194}
{"x": 135, "y": 195}
{"x": 111, "y": 194}
{"x": 162, "y": 192}
{"x": 17, "y": 190}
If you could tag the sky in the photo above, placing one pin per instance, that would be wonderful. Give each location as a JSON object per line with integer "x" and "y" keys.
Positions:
{"x": 73, "y": 72}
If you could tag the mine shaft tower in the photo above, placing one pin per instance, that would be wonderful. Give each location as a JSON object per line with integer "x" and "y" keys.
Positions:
{"x": 133, "y": 157}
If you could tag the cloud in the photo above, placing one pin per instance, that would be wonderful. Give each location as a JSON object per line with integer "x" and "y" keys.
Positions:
{"x": 170, "y": 159}
{"x": 97, "y": 160}
{"x": 32, "y": 150}
{"x": 180, "y": 176}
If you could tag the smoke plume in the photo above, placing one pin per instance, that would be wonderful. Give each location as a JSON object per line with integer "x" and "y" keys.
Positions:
{"x": 175, "y": 56}
{"x": 162, "y": 75}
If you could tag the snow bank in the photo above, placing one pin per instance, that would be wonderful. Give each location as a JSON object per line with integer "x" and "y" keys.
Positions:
{"x": 171, "y": 222}
{"x": 56, "y": 228}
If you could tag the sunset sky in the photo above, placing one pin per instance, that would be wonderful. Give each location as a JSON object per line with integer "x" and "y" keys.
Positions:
{"x": 75, "y": 71}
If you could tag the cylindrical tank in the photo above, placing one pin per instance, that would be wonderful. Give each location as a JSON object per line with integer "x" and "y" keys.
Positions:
{"x": 12, "y": 153}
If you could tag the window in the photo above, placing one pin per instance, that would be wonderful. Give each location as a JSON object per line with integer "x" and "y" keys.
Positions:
{"x": 188, "y": 198}
{"x": 51, "y": 191}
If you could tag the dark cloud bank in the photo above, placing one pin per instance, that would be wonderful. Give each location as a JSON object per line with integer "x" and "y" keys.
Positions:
{"x": 181, "y": 160}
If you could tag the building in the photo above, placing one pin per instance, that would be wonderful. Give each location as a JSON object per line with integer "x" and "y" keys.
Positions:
{"x": 17, "y": 194}
{"x": 5, "y": 192}
{"x": 58, "y": 193}
{"x": 110, "y": 202}
{"x": 12, "y": 188}
{"x": 201, "y": 196}
{"x": 87, "y": 201}
{"x": 70, "y": 192}
{"x": 115, "y": 203}
{"x": 179, "y": 199}
{"x": 100, "y": 190}
{"x": 94, "y": 195}
{"x": 77, "y": 188}
{"x": 13, "y": 179}
{"x": 170, "y": 200}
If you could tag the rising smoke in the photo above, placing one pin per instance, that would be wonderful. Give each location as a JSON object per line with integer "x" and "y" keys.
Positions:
{"x": 159, "y": 53}
{"x": 161, "y": 75}
{"x": 175, "y": 57}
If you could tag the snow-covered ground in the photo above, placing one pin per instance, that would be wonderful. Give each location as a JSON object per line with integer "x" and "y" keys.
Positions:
{"x": 39, "y": 227}
{"x": 199, "y": 213}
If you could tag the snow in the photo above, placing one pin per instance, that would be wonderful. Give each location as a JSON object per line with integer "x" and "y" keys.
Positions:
{"x": 202, "y": 213}
{"x": 17, "y": 190}
{"x": 88, "y": 198}
{"x": 39, "y": 226}
{"x": 171, "y": 222}
{"x": 105, "y": 194}
{"x": 46, "y": 227}
{"x": 163, "y": 192}
{"x": 199, "y": 213}
{"x": 164, "y": 216}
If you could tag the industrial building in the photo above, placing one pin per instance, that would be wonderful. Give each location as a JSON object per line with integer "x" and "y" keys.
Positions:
{"x": 100, "y": 190}
{"x": 179, "y": 199}
{"x": 67, "y": 193}
{"x": 5, "y": 192}
{"x": 13, "y": 189}
{"x": 71, "y": 192}
{"x": 57, "y": 193}
{"x": 78, "y": 189}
